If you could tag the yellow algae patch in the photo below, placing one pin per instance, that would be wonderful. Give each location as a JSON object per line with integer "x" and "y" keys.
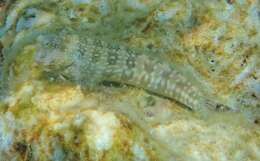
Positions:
{"x": 68, "y": 96}
{"x": 24, "y": 68}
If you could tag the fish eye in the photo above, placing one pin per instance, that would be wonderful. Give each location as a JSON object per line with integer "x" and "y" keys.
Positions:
{"x": 49, "y": 41}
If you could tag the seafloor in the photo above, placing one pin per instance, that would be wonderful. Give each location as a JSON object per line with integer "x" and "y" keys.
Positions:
{"x": 216, "y": 44}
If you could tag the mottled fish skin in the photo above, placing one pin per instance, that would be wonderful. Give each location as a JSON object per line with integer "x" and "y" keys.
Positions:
{"x": 94, "y": 60}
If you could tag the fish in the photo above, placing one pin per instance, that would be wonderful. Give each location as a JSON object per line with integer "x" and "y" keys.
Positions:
{"x": 87, "y": 61}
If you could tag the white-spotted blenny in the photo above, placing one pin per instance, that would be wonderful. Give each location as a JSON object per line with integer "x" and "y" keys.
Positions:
{"x": 88, "y": 61}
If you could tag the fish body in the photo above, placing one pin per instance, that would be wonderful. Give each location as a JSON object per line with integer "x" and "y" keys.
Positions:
{"x": 88, "y": 61}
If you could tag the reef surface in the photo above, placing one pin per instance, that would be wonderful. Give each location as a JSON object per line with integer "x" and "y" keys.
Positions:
{"x": 46, "y": 114}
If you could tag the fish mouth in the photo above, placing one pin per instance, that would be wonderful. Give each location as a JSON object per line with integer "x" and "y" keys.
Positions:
{"x": 52, "y": 68}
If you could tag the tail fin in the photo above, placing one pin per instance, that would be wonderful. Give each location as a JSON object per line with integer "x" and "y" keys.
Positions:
{"x": 216, "y": 106}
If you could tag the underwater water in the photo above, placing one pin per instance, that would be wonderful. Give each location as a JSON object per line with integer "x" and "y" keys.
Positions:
{"x": 129, "y": 80}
